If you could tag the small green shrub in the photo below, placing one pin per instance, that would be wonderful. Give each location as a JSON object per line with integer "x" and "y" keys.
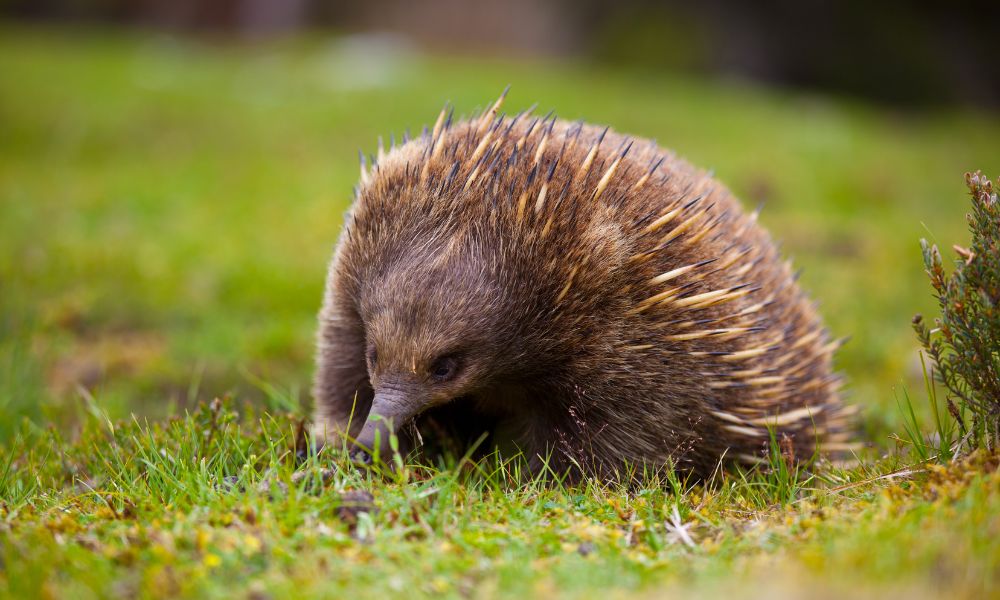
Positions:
{"x": 964, "y": 342}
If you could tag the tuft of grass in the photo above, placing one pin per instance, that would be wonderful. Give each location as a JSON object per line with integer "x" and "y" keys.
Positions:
{"x": 942, "y": 444}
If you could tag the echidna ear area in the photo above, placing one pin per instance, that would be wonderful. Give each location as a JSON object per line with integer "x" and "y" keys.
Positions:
{"x": 708, "y": 280}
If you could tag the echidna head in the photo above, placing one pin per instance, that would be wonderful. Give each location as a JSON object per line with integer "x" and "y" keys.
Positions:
{"x": 435, "y": 332}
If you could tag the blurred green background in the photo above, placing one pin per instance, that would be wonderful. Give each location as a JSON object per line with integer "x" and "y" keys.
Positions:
{"x": 168, "y": 201}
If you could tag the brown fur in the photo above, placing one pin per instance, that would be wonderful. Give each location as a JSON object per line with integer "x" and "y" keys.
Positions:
{"x": 605, "y": 302}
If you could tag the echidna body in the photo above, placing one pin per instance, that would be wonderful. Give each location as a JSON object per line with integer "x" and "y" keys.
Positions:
{"x": 585, "y": 297}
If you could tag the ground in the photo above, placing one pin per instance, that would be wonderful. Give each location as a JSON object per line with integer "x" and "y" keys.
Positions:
{"x": 167, "y": 208}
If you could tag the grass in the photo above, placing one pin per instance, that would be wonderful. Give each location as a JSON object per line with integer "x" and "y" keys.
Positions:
{"x": 178, "y": 508}
{"x": 167, "y": 208}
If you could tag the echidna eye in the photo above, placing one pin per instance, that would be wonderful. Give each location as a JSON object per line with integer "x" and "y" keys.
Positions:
{"x": 444, "y": 368}
{"x": 372, "y": 356}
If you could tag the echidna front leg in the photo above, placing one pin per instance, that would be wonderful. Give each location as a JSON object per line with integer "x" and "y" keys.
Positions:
{"x": 342, "y": 390}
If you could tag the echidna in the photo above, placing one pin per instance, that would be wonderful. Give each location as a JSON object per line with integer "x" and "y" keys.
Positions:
{"x": 583, "y": 296}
